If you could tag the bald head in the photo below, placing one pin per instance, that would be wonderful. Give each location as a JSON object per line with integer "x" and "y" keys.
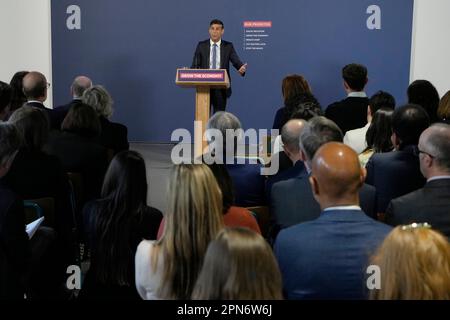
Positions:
{"x": 35, "y": 86}
{"x": 290, "y": 135}
{"x": 79, "y": 85}
{"x": 336, "y": 175}
{"x": 434, "y": 143}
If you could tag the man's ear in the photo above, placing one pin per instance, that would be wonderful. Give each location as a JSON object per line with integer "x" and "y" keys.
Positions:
{"x": 314, "y": 186}
{"x": 346, "y": 86}
{"x": 363, "y": 175}
{"x": 395, "y": 140}
{"x": 302, "y": 155}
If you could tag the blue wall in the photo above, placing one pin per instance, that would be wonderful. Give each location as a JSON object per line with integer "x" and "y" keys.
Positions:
{"x": 134, "y": 47}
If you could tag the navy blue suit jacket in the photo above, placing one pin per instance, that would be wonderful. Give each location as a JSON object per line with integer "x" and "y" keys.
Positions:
{"x": 52, "y": 114}
{"x": 327, "y": 258}
{"x": 248, "y": 184}
{"x": 227, "y": 54}
{"x": 394, "y": 174}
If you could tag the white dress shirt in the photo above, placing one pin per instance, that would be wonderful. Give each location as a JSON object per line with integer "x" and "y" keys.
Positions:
{"x": 356, "y": 139}
{"x": 211, "y": 48}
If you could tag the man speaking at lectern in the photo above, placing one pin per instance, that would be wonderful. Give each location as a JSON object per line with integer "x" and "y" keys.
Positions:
{"x": 216, "y": 53}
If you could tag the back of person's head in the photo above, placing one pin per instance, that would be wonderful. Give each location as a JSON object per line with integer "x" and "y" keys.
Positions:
{"x": 79, "y": 85}
{"x": 408, "y": 123}
{"x": 355, "y": 75}
{"x": 378, "y": 135}
{"x": 193, "y": 219}
{"x": 435, "y": 141}
{"x": 423, "y": 93}
{"x": 239, "y": 265}
{"x": 294, "y": 84}
{"x": 290, "y": 134}
{"x": 336, "y": 174}
{"x": 98, "y": 98}
{"x": 318, "y": 131}
{"x": 414, "y": 262}
{"x": 302, "y": 106}
{"x": 33, "y": 125}
{"x": 10, "y": 141}
{"x": 5, "y": 98}
{"x": 18, "y": 97}
{"x": 225, "y": 121}
{"x": 444, "y": 107}
{"x": 82, "y": 120}
{"x": 225, "y": 184}
{"x": 34, "y": 85}
{"x": 124, "y": 197}
{"x": 381, "y": 99}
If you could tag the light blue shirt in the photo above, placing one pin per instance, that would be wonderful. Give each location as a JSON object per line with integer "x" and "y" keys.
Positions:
{"x": 211, "y": 48}
{"x": 357, "y": 94}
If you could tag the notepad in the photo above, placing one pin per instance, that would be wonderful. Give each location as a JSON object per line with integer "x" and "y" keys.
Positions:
{"x": 33, "y": 226}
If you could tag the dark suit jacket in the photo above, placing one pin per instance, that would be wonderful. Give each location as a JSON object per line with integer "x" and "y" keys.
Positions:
{"x": 144, "y": 227}
{"x": 292, "y": 202}
{"x": 14, "y": 245}
{"x": 430, "y": 204}
{"x": 294, "y": 171}
{"x": 349, "y": 114}
{"x": 62, "y": 111}
{"x": 327, "y": 258}
{"x": 248, "y": 184}
{"x": 281, "y": 117}
{"x": 227, "y": 54}
{"x": 83, "y": 155}
{"x": 52, "y": 115}
{"x": 394, "y": 174}
{"x": 113, "y": 136}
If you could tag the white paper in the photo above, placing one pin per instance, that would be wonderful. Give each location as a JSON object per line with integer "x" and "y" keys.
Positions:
{"x": 33, "y": 226}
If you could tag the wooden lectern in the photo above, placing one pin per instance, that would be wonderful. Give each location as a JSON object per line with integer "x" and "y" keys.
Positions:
{"x": 202, "y": 80}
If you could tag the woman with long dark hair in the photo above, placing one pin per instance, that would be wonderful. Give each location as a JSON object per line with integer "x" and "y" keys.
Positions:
{"x": 114, "y": 225}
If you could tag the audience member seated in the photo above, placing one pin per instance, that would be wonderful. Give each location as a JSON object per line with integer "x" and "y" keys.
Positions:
{"x": 238, "y": 265}
{"x": 327, "y": 258}
{"x": 79, "y": 85}
{"x": 247, "y": 179}
{"x": 18, "y": 97}
{"x": 290, "y": 137}
{"x": 378, "y": 136}
{"x": 35, "y": 87}
{"x": 113, "y": 135}
{"x": 115, "y": 224}
{"x": 356, "y": 138}
{"x": 443, "y": 112}
{"x": 168, "y": 268}
{"x": 35, "y": 174}
{"x": 78, "y": 151}
{"x": 431, "y": 203}
{"x": 397, "y": 173}
{"x": 292, "y": 88}
{"x": 423, "y": 93}
{"x": 233, "y": 216}
{"x": 15, "y": 253}
{"x": 292, "y": 200}
{"x": 414, "y": 262}
{"x": 351, "y": 113}
{"x": 5, "y": 99}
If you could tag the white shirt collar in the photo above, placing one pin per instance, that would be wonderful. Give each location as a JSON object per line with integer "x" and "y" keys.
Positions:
{"x": 438, "y": 178}
{"x": 352, "y": 207}
{"x": 212, "y": 42}
{"x": 36, "y": 101}
{"x": 357, "y": 94}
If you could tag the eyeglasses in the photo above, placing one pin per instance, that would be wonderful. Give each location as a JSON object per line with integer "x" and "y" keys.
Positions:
{"x": 418, "y": 151}
{"x": 416, "y": 226}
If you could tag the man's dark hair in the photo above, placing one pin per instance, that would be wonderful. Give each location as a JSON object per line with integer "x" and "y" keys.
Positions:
{"x": 381, "y": 99}
{"x": 423, "y": 93}
{"x": 5, "y": 95}
{"x": 408, "y": 123}
{"x": 355, "y": 75}
{"x": 216, "y": 21}
{"x": 317, "y": 132}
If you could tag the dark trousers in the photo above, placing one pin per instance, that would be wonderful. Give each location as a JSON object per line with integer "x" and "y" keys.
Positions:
{"x": 218, "y": 99}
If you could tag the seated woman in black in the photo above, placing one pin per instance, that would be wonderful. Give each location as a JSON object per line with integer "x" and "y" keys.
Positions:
{"x": 115, "y": 225}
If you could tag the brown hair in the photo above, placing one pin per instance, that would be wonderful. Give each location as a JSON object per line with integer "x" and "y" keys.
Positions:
{"x": 443, "y": 111}
{"x": 193, "y": 219}
{"x": 414, "y": 264}
{"x": 293, "y": 85}
{"x": 239, "y": 265}
{"x": 82, "y": 120}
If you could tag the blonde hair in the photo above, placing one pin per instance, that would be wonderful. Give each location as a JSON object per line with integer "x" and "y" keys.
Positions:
{"x": 443, "y": 110}
{"x": 239, "y": 265}
{"x": 193, "y": 219}
{"x": 99, "y": 98}
{"x": 415, "y": 265}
